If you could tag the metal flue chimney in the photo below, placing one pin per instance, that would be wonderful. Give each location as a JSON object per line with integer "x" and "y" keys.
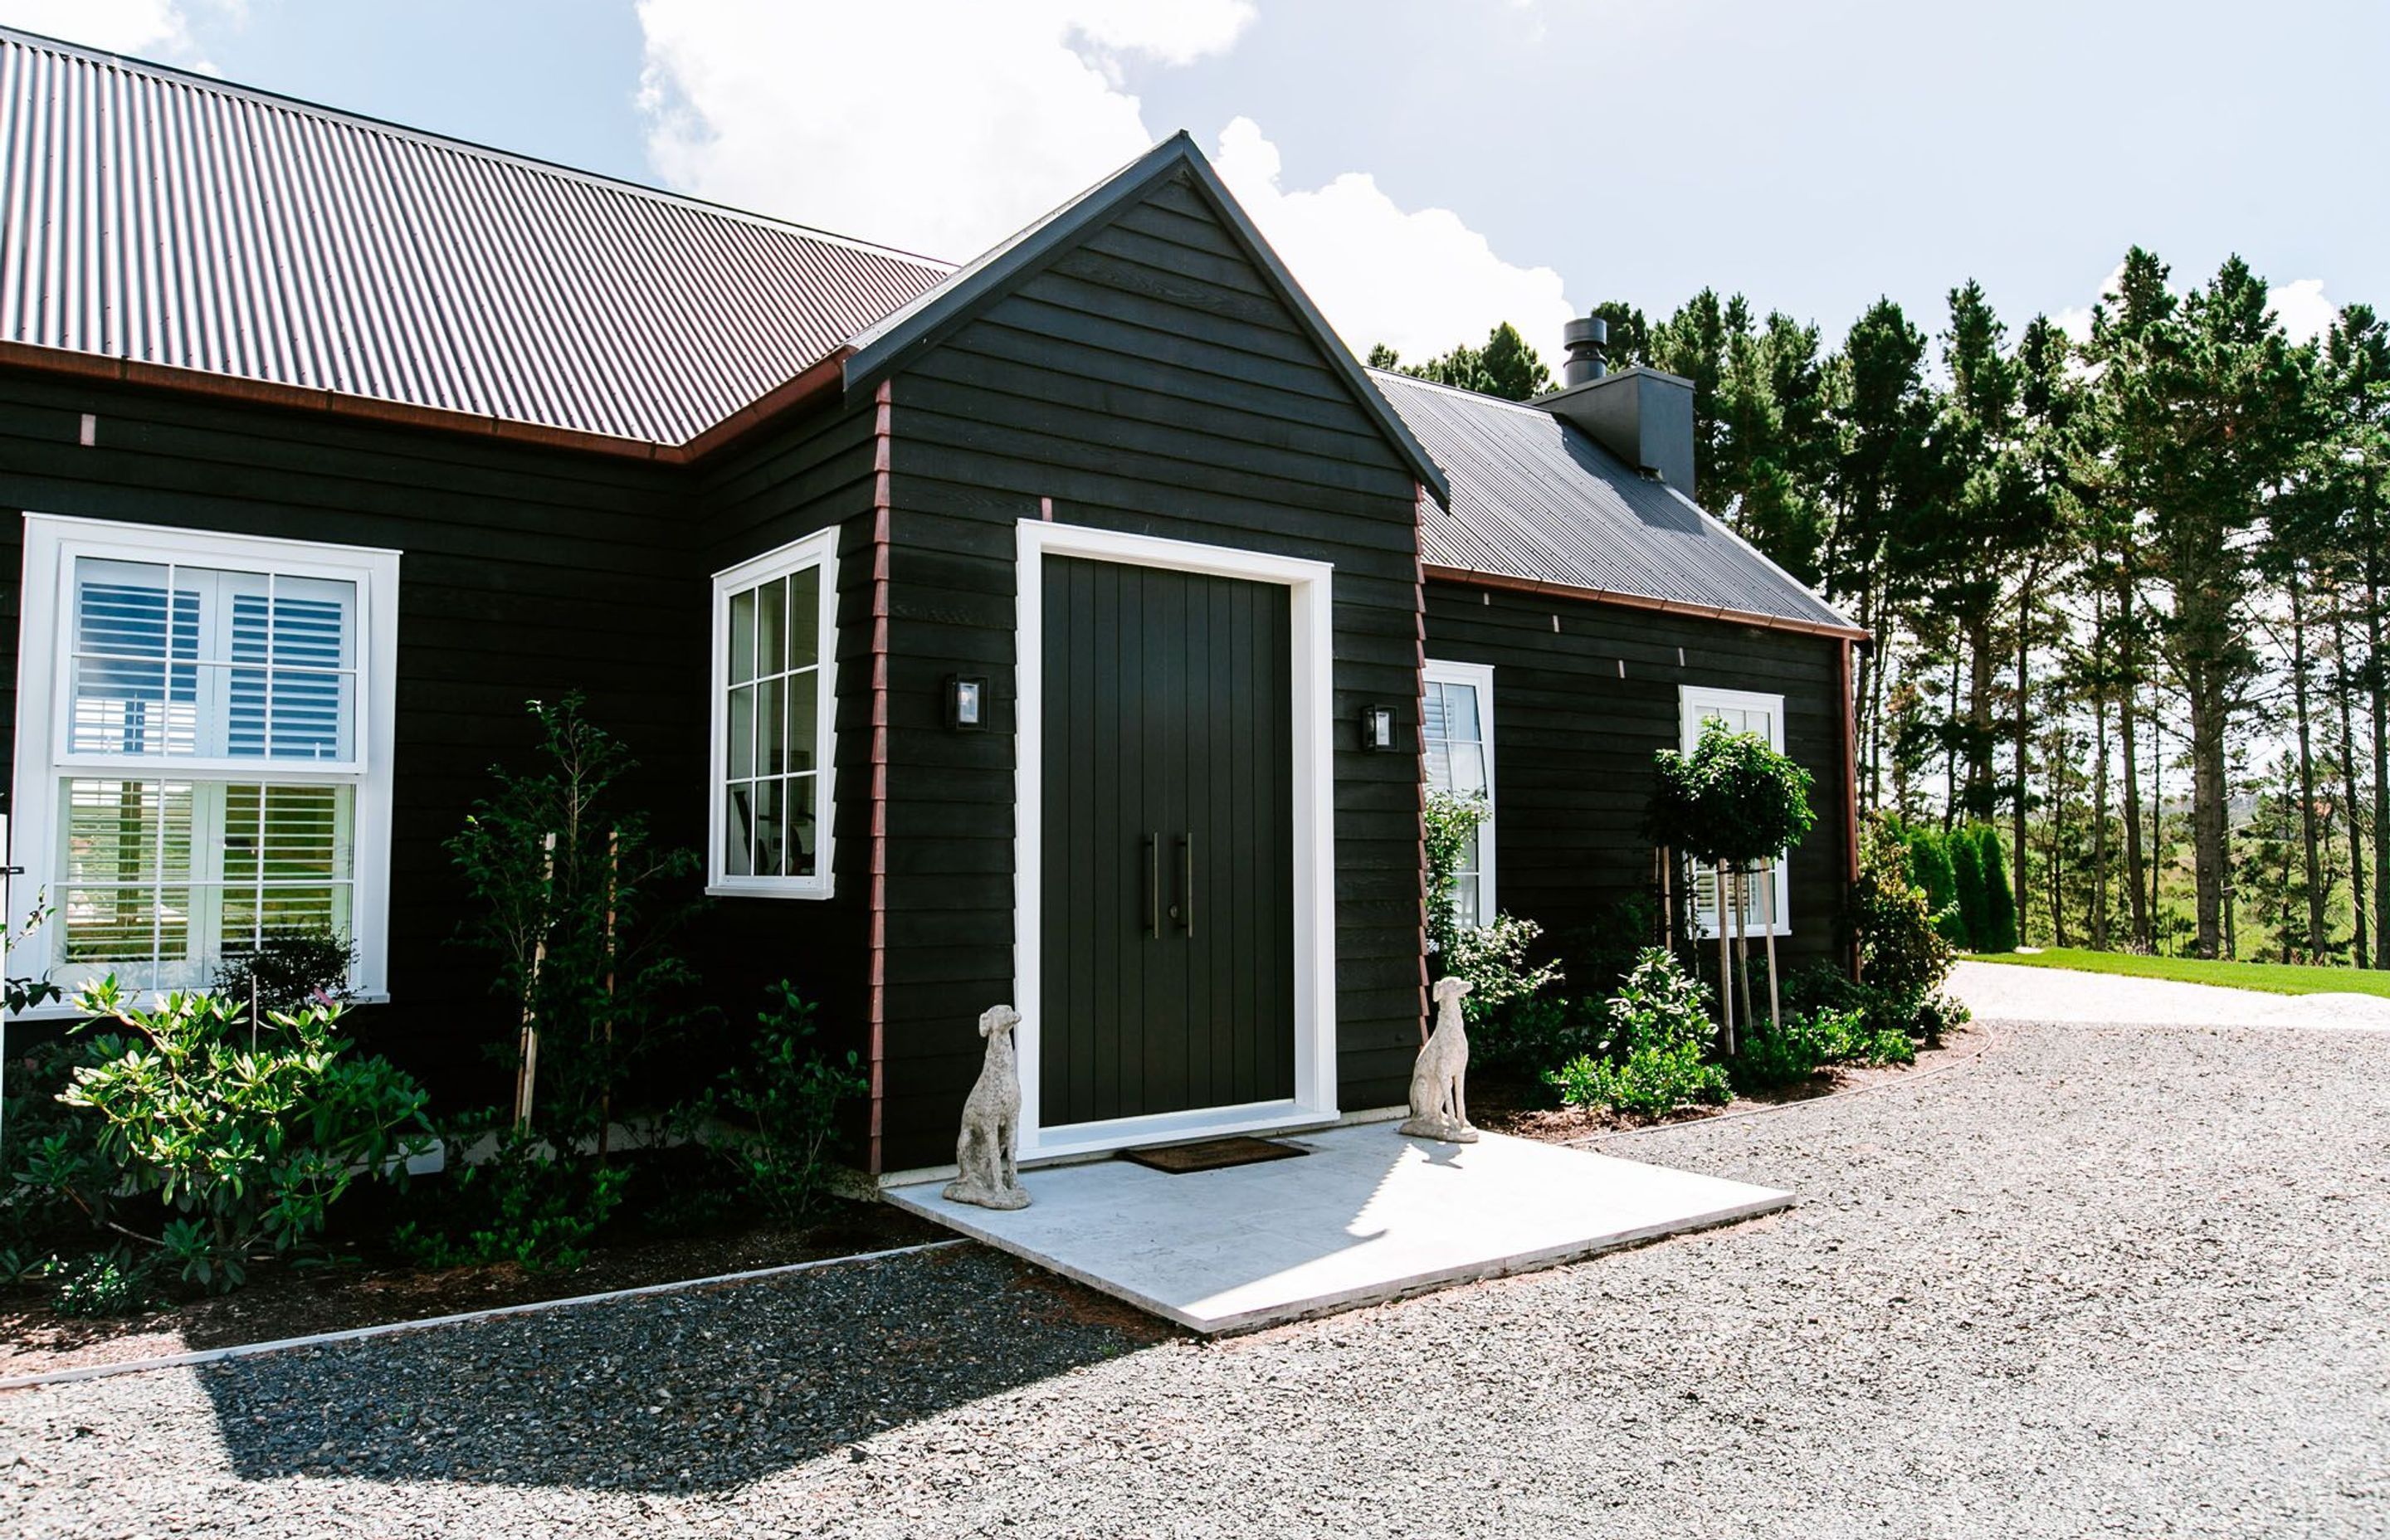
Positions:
{"x": 1588, "y": 341}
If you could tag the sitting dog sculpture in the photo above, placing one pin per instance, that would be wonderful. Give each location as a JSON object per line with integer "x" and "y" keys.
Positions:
{"x": 1439, "y": 1106}
{"x": 991, "y": 1122}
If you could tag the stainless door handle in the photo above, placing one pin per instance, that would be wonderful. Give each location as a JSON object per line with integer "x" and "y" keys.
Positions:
{"x": 1153, "y": 885}
{"x": 1185, "y": 912}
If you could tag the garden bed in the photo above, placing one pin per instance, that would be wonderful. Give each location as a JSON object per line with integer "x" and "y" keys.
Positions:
{"x": 366, "y": 1288}
{"x": 1506, "y": 1102}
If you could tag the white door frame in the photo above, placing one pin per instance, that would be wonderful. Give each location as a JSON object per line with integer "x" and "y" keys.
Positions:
{"x": 1309, "y": 596}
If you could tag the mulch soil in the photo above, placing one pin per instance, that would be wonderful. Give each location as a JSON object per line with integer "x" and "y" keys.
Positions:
{"x": 282, "y": 1301}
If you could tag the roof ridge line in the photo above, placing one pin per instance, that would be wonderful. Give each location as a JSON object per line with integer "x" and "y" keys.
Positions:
{"x": 1409, "y": 379}
{"x": 284, "y": 101}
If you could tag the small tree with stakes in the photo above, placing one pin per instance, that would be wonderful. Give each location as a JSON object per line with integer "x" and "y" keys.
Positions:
{"x": 1738, "y": 805}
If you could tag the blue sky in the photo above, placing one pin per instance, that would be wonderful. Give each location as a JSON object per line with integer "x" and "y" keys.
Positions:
{"x": 1428, "y": 166}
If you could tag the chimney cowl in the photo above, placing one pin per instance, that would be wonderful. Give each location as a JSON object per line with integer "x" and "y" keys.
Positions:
{"x": 1587, "y": 341}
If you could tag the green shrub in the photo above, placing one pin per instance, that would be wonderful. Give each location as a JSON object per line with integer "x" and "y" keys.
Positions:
{"x": 785, "y": 1104}
{"x": 1812, "y": 1040}
{"x": 519, "y": 1204}
{"x": 584, "y": 935}
{"x": 245, "y": 1132}
{"x": 103, "y": 1283}
{"x": 1892, "y": 917}
{"x": 1975, "y": 901}
{"x": 1539, "y": 1033}
{"x": 1932, "y": 871}
{"x": 1657, "y": 1058}
{"x": 33, "y": 1216}
{"x": 288, "y": 968}
{"x": 1999, "y": 932}
{"x": 1494, "y": 959}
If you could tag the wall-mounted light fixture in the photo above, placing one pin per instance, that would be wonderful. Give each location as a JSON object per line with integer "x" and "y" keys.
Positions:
{"x": 1377, "y": 728}
{"x": 965, "y": 703}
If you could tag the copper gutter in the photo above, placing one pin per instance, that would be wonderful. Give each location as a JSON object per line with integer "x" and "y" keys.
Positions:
{"x": 882, "y": 502}
{"x": 814, "y": 383}
{"x": 1850, "y": 780}
{"x": 1476, "y": 579}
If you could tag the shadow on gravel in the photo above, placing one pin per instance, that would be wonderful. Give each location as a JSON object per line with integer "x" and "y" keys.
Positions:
{"x": 673, "y": 1392}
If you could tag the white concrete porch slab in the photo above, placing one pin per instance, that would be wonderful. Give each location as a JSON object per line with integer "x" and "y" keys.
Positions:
{"x": 1367, "y": 1215}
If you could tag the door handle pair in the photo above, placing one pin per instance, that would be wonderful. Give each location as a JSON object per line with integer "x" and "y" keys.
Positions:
{"x": 1183, "y": 912}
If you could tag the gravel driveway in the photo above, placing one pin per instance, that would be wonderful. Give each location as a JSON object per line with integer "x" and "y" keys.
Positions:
{"x": 2098, "y": 1280}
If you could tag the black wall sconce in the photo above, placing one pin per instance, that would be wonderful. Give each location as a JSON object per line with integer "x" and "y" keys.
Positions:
{"x": 1377, "y": 729}
{"x": 965, "y": 703}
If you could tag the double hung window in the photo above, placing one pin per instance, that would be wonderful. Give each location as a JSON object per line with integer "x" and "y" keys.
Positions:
{"x": 203, "y": 749}
{"x": 774, "y": 633}
{"x": 1457, "y": 738}
{"x": 1742, "y": 711}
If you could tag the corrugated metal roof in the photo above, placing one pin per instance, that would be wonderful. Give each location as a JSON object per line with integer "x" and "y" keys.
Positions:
{"x": 162, "y": 218}
{"x": 1536, "y": 499}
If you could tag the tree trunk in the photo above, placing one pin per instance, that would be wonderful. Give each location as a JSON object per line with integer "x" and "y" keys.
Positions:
{"x": 1950, "y": 751}
{"x": 2098, "y": 787}
{"x": 2345, "y": 686}
{"x": 2377, "y": 686}
{"x": 2157, "y": 812}
{"x": 2023, "y": 721}
{"x": 2310, "y": 836}
{"x": 1982, "y": 665}
{"x": 2127, "y": 703}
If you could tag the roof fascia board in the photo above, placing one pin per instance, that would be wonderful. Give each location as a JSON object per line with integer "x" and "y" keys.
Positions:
{"x": 806, "y": 390}
{"x": 1475, "y": 579}
{"x": 881, "y": 351}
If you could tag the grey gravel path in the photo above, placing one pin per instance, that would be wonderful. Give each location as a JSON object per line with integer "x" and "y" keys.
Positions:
{"x": 2101, "y": 1281}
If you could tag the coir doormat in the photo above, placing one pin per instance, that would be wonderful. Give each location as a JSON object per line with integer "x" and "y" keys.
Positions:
{"x": 1212, "y": 1154}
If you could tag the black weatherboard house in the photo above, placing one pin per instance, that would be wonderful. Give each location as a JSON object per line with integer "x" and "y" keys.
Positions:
{"x": 1001, "y": 633}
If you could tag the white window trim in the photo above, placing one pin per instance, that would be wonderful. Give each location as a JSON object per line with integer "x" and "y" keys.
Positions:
{"x": 1693, "y": 705}
{"x": 820, "y": 550}
{"x": 1480, "y": 677}
{"x": 52, "y": 544}
{"x": 1309, "y": 586}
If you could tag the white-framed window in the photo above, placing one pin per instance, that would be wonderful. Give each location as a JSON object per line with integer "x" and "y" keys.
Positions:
{"x": 1457, "y": 741}
{"x": 775, "y": 637}
{"x": 204, "y": 750}
{"x": 1742, "y": 711}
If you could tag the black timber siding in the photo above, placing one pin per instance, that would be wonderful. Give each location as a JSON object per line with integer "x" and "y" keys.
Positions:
{"x": 526, "y": 572}
{"x": 1573, "y": 737}
{"x": 790, "y": 482}
{"x": 1150, "y": 381}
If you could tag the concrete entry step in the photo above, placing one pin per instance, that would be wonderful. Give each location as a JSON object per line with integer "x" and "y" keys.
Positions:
{"x": 1371, "y": 1215}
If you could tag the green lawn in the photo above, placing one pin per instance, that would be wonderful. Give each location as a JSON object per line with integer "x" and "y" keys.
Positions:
{"x": 2274, "y": 978}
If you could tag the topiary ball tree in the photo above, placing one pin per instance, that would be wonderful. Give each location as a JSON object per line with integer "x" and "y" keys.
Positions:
{"x": 1735, "y": 802}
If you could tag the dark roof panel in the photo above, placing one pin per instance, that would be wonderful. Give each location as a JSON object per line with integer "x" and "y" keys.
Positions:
{"x": 1536, "y": 499}
{"x": 165, "y": 218}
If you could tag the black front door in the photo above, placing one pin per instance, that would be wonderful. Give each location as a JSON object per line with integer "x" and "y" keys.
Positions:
{"x": 1167, "y": 952}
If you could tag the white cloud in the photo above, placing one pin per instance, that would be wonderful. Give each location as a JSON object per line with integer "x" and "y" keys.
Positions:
{"x": 945, "y": 126}
{"x": 151, "y": 29}
{"x": 2302, "y": 310}
{"x": 1417, "y": 279}
{"x": 2075, "y": 320}
{"x": 937, "y": 125}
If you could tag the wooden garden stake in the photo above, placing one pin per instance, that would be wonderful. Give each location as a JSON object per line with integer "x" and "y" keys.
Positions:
{"x": 1775, "y": 1001}
{"x": 606, "y": 1085}
{"x": 527, "y": 1071}
{"x": 1725, "y": 957}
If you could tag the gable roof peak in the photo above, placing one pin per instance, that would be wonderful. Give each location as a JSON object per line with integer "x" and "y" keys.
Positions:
{"x": 887, "y": 344}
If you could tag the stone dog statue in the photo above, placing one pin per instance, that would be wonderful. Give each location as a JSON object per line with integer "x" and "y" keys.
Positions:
{"x": 991, "y": 1122}
{"x": 1439, "y": 1106}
